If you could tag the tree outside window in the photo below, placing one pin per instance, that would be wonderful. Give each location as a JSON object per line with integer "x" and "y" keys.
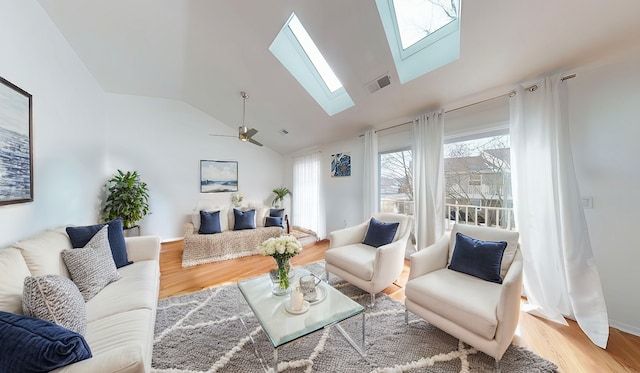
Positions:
{"x": 396, "y": 182}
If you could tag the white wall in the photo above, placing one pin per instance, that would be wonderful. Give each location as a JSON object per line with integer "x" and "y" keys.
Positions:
{"x": 164, "y": 140}
{"x": 68, "y": 123}
{"x": 605, "y": 128}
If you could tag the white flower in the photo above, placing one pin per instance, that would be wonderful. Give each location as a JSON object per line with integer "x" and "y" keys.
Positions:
{"x": 283, "y": 247}
{"x": 237, "y": 197}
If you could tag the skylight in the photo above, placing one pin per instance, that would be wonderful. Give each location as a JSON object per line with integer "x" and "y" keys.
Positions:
{"x": 318, "y": 61}
{"x": 417, "y": 19}
{"x": 423, "y": 35}
{"x": 297, "y": 52}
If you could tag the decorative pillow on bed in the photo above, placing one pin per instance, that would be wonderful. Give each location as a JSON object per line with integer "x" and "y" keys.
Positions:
{"x": 35, "y": 345}
{"x": 209, "y": 222}
{"x": 57, "y": 299}
{"x": 273, "y": 221}
{"x": 478, "y": 258}
{"x": 244, "y": 219}
{"x": 81, "y": 235}
{"x": 380, "y": 233}
{"x": 91, "y": 267}
{"x": 279, "y": 213}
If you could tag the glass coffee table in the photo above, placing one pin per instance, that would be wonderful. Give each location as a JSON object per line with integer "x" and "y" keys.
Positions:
{"x": 282, "y": 327}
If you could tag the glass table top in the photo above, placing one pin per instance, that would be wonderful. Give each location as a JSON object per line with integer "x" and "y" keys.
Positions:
{"x": 282, "y": 327}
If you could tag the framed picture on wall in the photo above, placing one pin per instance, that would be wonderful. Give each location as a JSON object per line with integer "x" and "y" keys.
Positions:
{"x": 16, "y": 153}
{"x": 218, "y": 176}
{"x": 341, "y": 164}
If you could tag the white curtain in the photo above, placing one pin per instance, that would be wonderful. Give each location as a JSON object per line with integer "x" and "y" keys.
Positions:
{"x": 370, "y": 174}
{"x": 560, "y": 275}
{"x": 428, "y": 177}
{"x": 308, "y": 210}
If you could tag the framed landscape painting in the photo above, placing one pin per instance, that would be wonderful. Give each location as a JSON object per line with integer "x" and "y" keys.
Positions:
{"x": 16, "y": 174}
{"x": 218, "y": 176}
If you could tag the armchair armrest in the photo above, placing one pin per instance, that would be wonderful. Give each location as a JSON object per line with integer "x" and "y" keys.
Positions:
{"x": 508, "y": 310}
{"x": 348, "y": 236}
{"x": 143, "y": 248}
{"x": 430, "y": 258}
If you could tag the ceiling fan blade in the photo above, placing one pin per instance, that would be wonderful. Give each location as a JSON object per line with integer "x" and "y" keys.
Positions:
{"x": 254, "y": 141}
{"x": 251, "y": 132}
{"x": 213, "y": 134}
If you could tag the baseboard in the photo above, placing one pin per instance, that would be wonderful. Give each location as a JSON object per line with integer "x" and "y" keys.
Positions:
{"x": 631, "y": 329}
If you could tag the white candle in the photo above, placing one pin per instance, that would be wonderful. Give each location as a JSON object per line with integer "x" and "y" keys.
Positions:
{"x": 296, "y": 299}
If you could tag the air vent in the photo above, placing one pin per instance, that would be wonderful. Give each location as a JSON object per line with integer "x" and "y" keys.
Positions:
{"x": 284, "y": 132}
{"x": 378, "y": 83}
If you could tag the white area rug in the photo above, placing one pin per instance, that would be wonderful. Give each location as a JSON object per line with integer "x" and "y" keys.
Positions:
{"x": 200, "y": 332}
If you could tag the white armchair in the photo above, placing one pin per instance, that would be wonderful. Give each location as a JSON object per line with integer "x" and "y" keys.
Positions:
{"x": 369, "y": 268}
{"x": 481, "y": 313}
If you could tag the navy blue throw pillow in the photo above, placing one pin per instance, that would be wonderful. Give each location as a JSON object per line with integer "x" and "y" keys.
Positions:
{"x": 273, "y": 221}
{"x": 478, "y": 258}
{"x": 35, "y": 345}
{"x": 379, "y": 233}
{"x": 80, "y": 236}
{"x": 209, "y": 222}
{"x": 276, "y": 213}
{"x": 244, "y": 219}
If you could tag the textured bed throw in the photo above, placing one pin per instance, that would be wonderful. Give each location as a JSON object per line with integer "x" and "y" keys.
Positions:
{"x": 230, "y": 244}
{"x": 200, "y": 332}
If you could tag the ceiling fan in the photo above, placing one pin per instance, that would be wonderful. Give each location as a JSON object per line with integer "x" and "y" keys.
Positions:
{"x": 244, "y": 134}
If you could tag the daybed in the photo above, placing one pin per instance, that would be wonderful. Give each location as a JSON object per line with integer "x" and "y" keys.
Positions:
{"x": 120, "y": 318}
{"x": 228, "y": 243}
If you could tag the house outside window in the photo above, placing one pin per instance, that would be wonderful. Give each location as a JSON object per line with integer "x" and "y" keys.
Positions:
{"x": 478, "y": 174}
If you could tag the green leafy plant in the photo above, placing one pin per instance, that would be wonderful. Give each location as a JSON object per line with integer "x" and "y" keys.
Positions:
{"x": 128, "y": 198}
{"x": 280, "y": 193}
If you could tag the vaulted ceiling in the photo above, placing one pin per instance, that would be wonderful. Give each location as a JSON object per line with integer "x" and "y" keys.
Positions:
{"x": 204, "y": 52}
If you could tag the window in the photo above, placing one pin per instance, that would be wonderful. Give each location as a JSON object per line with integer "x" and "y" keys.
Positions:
{"x": 307, "y": 210}
{"x": 478, "y": 181}
{"x": 422, "y": 34}
{"x": 298, "y": 53}
{"x": 396, "y": 182}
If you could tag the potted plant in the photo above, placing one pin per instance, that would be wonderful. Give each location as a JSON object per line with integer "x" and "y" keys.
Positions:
{"x": 280, "y": 193}
{"x": 127, "y": 198}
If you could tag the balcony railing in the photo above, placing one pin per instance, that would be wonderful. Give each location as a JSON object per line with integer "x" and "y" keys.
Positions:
{"x": 500, "y": 217}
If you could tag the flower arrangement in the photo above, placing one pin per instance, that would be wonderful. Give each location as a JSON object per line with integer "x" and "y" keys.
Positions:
{"x": 281, "y": 249}
{"x": 236, "y": 198}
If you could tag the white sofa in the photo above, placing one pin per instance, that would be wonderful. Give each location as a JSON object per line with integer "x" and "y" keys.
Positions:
{"x": 120, "y": 318}
{"x": 230, "y": 243}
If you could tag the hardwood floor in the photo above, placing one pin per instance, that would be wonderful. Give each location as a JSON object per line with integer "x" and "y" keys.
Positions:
{"x": 566, "y": 346}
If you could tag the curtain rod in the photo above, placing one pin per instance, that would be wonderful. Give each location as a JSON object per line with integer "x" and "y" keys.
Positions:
{"x": 510, "y": 94}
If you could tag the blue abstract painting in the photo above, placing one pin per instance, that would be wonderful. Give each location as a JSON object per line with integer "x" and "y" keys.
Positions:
{"x": 15, "y": 144}
{"x": 341, "y": 164}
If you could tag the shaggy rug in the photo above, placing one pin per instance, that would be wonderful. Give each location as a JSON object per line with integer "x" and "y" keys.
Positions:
{"x": 201, "y": 332}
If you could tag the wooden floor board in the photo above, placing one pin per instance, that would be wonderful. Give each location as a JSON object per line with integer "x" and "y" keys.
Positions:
{"x": 566, "y": 346}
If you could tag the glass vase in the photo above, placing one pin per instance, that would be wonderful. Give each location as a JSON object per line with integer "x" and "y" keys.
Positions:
{"x": 281, "y": 277}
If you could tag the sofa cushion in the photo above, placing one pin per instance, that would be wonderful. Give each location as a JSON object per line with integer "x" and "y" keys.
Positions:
{"x": 262, "y": 212}
{"x": 137, "y": 289}
{"x": 478, "y": 258}
{"x": 206, "y": 205}
{"x": 380, "y": 233}
{"x": 357, "y": 259}
{"x": 209, "y": 222}
{"x": 244, "y": 219}
{"x": 14, "y": 270}
{"x": 42, "y": 253}
{"x": 92, "y": 267}
{"x": 57, "y": 299}
{"x": 472, "y": 305}
{"x": 272, "y": 221}
{"x": 81, "y": 235}
{"x": 34, "y": 345}
{"x": 121, "y": 342}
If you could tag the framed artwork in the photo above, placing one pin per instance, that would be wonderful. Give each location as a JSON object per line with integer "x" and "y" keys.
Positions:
{"x": 341, "y": 164}
{"x": 16, "y": 153}
{"x": 218, "y": 176}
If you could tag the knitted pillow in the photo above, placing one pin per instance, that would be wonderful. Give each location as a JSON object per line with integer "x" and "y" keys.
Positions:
{"x": 57, "y": 299}
{"x": 92, "y": 267}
